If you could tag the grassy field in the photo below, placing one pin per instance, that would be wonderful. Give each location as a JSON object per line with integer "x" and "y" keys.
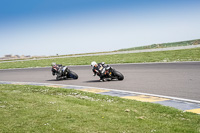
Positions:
{"x": 165, "y": 45}
{"x": 25, "y": 108}
{"x": 160, "y": 56}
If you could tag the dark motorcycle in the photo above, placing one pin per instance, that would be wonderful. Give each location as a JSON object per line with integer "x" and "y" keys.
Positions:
{"x": 110, "y": 73}
{"x": 64, "y": 73}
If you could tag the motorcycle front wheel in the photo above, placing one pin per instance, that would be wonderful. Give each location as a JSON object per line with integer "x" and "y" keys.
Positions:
{"x": 72, "y": 74}
{"x": 118, "y": 75}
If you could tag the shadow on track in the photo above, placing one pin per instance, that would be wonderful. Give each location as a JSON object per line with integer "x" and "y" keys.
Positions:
{"x": 96, "y": 81}
{"x": 52, "y": 80}
{"x": 92, "y": 81}
{"x": 59, "y": 79}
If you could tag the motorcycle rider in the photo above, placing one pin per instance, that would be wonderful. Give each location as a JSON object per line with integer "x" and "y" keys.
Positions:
{"x": 56, "y": 68}
{"x": 98, "y": 69}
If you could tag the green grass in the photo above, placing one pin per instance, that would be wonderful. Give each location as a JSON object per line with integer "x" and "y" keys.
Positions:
{"x": 165, "y": 45}
{"x": 160, "y": 56}
{"x": 25, "y": 108}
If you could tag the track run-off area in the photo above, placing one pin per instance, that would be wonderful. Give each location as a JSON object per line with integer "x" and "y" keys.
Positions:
{"x": 180, "y": 80}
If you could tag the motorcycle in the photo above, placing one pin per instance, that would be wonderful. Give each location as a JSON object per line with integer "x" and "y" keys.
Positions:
{"x": 64, "y": 73}
{"x": 110, "y": 73}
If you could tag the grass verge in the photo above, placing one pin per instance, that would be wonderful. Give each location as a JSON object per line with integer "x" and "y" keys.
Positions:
{"x": 26, "y": 108}
{"x": 160, "y": 56}
{"x": 165, "y": 45}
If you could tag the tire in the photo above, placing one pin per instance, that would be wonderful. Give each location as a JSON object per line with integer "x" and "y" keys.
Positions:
{"x": 72, "y": 74}
{"x": 118, "y": 75}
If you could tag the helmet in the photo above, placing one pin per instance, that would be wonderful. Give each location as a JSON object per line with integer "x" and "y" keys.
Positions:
{"x": 53, "y": 64}
{"x": 93, "y": 63}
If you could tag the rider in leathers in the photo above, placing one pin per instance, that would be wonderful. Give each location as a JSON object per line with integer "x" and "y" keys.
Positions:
{"x": 98, "y": 69}
{"x": 56, "y": 68}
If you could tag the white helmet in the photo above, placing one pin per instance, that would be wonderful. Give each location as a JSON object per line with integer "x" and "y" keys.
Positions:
{"x": 93, "y": 63}
{"x": 53, "y": 64}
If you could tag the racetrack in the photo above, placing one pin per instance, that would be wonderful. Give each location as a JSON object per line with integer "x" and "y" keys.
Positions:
{"x": 180, "y": 80}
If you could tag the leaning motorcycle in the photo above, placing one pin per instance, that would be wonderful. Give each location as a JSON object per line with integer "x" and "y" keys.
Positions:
{"x": 110, "y": 73}
{"x": 64, "y": 73}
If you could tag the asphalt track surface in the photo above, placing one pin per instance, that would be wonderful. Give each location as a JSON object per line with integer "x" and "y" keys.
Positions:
{"x": 181, "y": 80}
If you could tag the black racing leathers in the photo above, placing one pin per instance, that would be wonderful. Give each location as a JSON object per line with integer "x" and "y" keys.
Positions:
{"x": 57, "y": 69}
{"x": 99, "y": 70}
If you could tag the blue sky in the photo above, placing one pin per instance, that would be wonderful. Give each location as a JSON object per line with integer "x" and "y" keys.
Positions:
{"x": 50, "y": 27}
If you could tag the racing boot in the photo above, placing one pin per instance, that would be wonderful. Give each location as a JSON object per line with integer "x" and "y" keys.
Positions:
{"x": 102, "y": 79}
